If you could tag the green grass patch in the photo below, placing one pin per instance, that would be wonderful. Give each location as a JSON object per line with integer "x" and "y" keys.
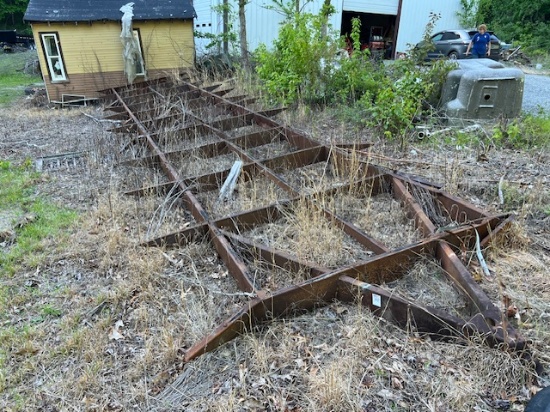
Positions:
{"x": 13, "y": 80}
{"x": 40, "y": 220}
{"x": 531, "y": 131}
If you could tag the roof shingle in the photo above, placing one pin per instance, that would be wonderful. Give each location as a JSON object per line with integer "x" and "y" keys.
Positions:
{"x": 100, "y": 10}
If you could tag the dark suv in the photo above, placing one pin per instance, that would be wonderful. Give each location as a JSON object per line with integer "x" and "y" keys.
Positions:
{"x": 454, "y": 43}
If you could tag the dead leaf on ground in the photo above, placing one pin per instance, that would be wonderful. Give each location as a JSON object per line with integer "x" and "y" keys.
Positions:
{"x": 115, "y": 333}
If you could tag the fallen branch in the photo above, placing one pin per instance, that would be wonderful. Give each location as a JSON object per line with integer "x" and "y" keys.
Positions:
{"x": 500, "y": 194}
{"x": 95, "y": 119}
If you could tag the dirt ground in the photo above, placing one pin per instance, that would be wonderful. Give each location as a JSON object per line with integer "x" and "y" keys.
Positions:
{"x": 128, "y": 312}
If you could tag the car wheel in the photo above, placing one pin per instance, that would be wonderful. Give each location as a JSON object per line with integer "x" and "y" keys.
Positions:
{"x": 453, "y": 55}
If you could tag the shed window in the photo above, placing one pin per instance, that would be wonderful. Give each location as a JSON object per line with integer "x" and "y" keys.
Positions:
{"x": 54, "y": 58}
{"x": 140, "y": 65}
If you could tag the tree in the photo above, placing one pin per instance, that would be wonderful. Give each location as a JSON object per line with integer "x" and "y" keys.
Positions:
{"x": 11, "y": 15}
{"x": 242, "y": 34}
{"x": 292, "y": 68}
{"x": 524, "y": 21}
{"x": 467, "y": 16}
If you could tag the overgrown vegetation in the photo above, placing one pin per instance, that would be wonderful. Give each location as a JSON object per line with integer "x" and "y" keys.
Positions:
{"x": 531, "y": 131}
{"x": 306, "y": 66}
{"x": 520, "y": 21}
{"x": 13, "y": 78}
{"x": 292, "y": 69}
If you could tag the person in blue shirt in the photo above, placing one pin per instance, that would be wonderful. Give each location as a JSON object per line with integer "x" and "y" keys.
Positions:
{"x": 481, "y": 43}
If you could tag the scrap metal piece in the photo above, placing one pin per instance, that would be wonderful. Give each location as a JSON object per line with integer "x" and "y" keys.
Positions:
{"x": 447, "y": 224}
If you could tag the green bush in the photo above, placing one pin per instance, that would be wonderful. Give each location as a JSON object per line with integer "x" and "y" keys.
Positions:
{"x": 528, "y": 132}
{"x": 292, "y": 69}
{"x": 303, "y": 65}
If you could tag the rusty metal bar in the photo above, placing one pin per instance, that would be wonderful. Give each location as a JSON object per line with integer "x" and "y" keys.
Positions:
{"x": 435, "y": 322}
{"x": 259, "y": 138}
{"x": 491, "y": 236}
{"x": 276, "y": 257}
{"x": 349, "y": 283}
{"x": 322, "y": 289}
{"x": 181, "y": 237}
{"x": 235, "y": 265}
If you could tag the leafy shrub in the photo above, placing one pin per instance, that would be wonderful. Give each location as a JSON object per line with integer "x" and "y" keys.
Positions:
{"x": 529, "y": 131}
{"x": 292, "y": 70}
{"x": 303, "y": 65}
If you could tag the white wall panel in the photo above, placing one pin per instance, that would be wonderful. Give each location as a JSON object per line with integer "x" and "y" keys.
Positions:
{"x": 372, "y": 6}
{"x": 263, "y": 25}
{"x": 415, "y": 14}
{"x": 205, "y": 22}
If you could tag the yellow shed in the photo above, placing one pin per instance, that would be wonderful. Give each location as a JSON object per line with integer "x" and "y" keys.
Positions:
{"x": 85, "y": 46}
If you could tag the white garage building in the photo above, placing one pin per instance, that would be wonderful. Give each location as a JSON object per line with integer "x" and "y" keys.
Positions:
{"x": 399, "y": 22}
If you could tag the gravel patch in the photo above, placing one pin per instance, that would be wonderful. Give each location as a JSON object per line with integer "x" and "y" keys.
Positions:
{"x": 536, "y": 93}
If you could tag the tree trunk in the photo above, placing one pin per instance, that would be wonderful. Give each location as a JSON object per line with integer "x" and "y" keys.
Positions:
{"x": 225, "y": 18}
{"x": 242, "y": 34}
{"x": 326, "y": 14}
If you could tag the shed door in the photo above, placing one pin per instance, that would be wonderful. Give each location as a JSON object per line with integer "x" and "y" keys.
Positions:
{"x": 372, "y": 6}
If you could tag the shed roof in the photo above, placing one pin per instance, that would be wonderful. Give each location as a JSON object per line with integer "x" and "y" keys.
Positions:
{"x": 100, "y": 10}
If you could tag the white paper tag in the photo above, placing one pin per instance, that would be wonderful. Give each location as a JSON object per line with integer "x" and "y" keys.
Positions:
{"x": 376, "y": 300}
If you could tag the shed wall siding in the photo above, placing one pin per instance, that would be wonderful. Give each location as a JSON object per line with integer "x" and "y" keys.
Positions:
{"x": 415, "y": 14}
{"x": 263, "y": 24}
{"x": 372, "y": 6}
{"x": 89, "y": 84}
{"x": 167, "y": 44}
{"x": 92, "y": 53}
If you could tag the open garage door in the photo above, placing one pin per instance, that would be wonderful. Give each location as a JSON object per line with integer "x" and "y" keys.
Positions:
{"x": 373, "y": 6}
{"x": 377, "y": 31}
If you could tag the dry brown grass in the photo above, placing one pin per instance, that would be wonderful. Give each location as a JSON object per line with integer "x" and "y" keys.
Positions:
{"x": 343, "y": 359}
{"x": 337, "y": 358}
{"x": 427, "y": 284}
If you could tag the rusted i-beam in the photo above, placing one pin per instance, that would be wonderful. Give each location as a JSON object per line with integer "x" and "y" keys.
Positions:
{"x": 450, "y": 224}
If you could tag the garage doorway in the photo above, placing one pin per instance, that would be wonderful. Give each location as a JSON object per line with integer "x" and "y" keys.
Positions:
{"x": 377, "y": 31}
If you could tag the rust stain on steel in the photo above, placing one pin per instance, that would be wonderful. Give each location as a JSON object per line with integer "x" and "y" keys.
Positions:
{"x": 277, "y": 258}
{"x": 235, "y": 265}
{"x": 321, "y": 290}
{"x": 448, "y": 224}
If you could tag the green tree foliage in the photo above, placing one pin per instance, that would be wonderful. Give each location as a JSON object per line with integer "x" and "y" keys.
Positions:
{"x": 468, "y": 15}
{"x": 11, "y": 15}
{"x": 292, "y": 69}
{"x": 524, "y": 21}
{"x": 302, "y": 66}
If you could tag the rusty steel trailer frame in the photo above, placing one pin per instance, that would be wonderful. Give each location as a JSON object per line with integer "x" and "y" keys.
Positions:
{"x": 195, "y": 111}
